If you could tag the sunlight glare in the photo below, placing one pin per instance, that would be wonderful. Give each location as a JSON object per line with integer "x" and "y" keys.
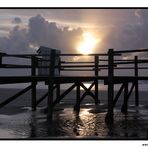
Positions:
{"x": 87, "y": 85}
{"x": 88, "y": 44}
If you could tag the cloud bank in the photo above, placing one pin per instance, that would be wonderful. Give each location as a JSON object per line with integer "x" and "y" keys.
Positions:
{"x": 130, "y": 36}
{"x": 39, "y": 33}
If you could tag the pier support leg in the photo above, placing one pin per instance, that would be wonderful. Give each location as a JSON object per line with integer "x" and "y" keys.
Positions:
{"x": 96, "y": 80}
{"x": 50, "y": 102}
{"x": 50, "y": 86}
{"x": 33, "y": 94}
{"x": 96, "y": 92}
{"x": 109, "y": 117}
{"x": 136, "y": 93}
{"x": 77, "y": 105}
{"x": 58, "y": 91}
{"x": 136, "y": 82}
{"x": 33, "y": 73}
{"x": 125, "y": 103}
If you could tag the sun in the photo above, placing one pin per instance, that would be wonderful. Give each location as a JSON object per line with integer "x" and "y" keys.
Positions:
{"x": 88, "y": 43}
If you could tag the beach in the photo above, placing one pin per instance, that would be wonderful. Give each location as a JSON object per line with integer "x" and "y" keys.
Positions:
{"x": 18, "y": 121}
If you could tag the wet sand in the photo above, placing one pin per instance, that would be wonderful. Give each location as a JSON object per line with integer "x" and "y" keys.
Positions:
{"x": 17, "y": 121}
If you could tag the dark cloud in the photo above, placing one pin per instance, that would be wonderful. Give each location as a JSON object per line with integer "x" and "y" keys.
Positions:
{"x": 129, "y": 35}
{"x": 16, "y": 42}
{"x": 16, "y": 20}
{"x": 40, "y": 33}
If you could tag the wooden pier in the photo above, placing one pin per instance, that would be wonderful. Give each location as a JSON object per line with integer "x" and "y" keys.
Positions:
{"x": 111, "y": 62}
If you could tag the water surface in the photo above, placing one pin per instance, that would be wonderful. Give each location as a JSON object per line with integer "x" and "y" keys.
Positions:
{"x": 88, "y": 124}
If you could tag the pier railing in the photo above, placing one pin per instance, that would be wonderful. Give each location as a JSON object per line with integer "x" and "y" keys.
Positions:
{"x": 94, "y": 63}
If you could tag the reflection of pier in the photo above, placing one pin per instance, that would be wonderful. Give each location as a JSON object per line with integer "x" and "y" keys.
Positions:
{"x": 109, "y": 62}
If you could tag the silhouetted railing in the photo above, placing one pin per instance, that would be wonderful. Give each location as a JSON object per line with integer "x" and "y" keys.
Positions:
{"x": 95, "y": 63}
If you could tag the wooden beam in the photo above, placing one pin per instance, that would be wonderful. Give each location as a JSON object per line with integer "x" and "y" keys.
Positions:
{"x": 1, "y": 60}
{"x": 57, "y": 90}
{"x": 96, "y": 65}
{"x": 15, "y": 96}
{"x": 125, "y": 102}
{"x": 118, "y": 94}
{"x": 131, "y": 90}
{"x": 70, "y": 69}
{"x": 129, "y": 51}
{"x": 131, "y": 62}
{"x": 87, "y": 91}
{"x": 96, "y": 80}
{"x": 136, "y": 82}
{"x": 109, "y": 116}
{"x": 120, "y": 91}
{"x": 50, "y": 101}
{"x": 51, "y": 86}
{"x": 41, "y": 99}
{"x": 57, "y": 100}
{"x": 78, "y": 96}
{"x": 34, "y": 83}
{"x": 44, "y": 96}
{"x": 96, "y": 92}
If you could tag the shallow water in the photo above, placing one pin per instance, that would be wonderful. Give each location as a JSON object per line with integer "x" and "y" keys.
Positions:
{"x": 18, "y": 121}
{"x": 66, "y": 124}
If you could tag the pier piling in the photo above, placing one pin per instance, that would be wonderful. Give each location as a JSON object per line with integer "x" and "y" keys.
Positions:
{"x": 50, "y": 64}
{"x": 33, "y": 90}
{"x": 97, "y": 100}
{"x": 50, "y": 85}
{"x": 136, "y": 82}
{"x": 78, "y": 97}
{"x": 125, "y": 99}
{"x": 110, "y": 114}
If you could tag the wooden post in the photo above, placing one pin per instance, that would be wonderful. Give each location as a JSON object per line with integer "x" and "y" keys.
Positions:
{"x": 109, "y": 116}
{"x": 136, "y": 82}
{"x": 57, "y": 90}
{"x": 33, "y": 91}
{"x": 0, "y": 59}
{"x": 50, "y": 85}
{"x": 58, "y": 85}
{"x": 96, "y": 80}
{"x": 78, "y": 93}
{"x": 125, "y": 102}
{"x": 96, "y": 65}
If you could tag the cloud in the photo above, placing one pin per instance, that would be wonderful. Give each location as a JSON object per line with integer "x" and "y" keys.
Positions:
{"x": 16, "y": 42}
{"x": 129, "y": 35}
{"x": 40, "y": 33}
{"x": 16, "y": 20}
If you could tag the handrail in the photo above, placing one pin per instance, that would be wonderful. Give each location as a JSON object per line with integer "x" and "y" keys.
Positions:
{"x": 93, "y": 65}
{"x": 129, "y": 51}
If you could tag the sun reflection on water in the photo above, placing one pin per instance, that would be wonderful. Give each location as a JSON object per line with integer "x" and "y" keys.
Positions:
{"x": 84, "y": 112}
{"x": 66, "y": 123}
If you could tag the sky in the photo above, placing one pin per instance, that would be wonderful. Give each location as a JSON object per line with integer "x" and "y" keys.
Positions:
{"x": 73, "y": 30}
{"x": 25, "y": 30}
